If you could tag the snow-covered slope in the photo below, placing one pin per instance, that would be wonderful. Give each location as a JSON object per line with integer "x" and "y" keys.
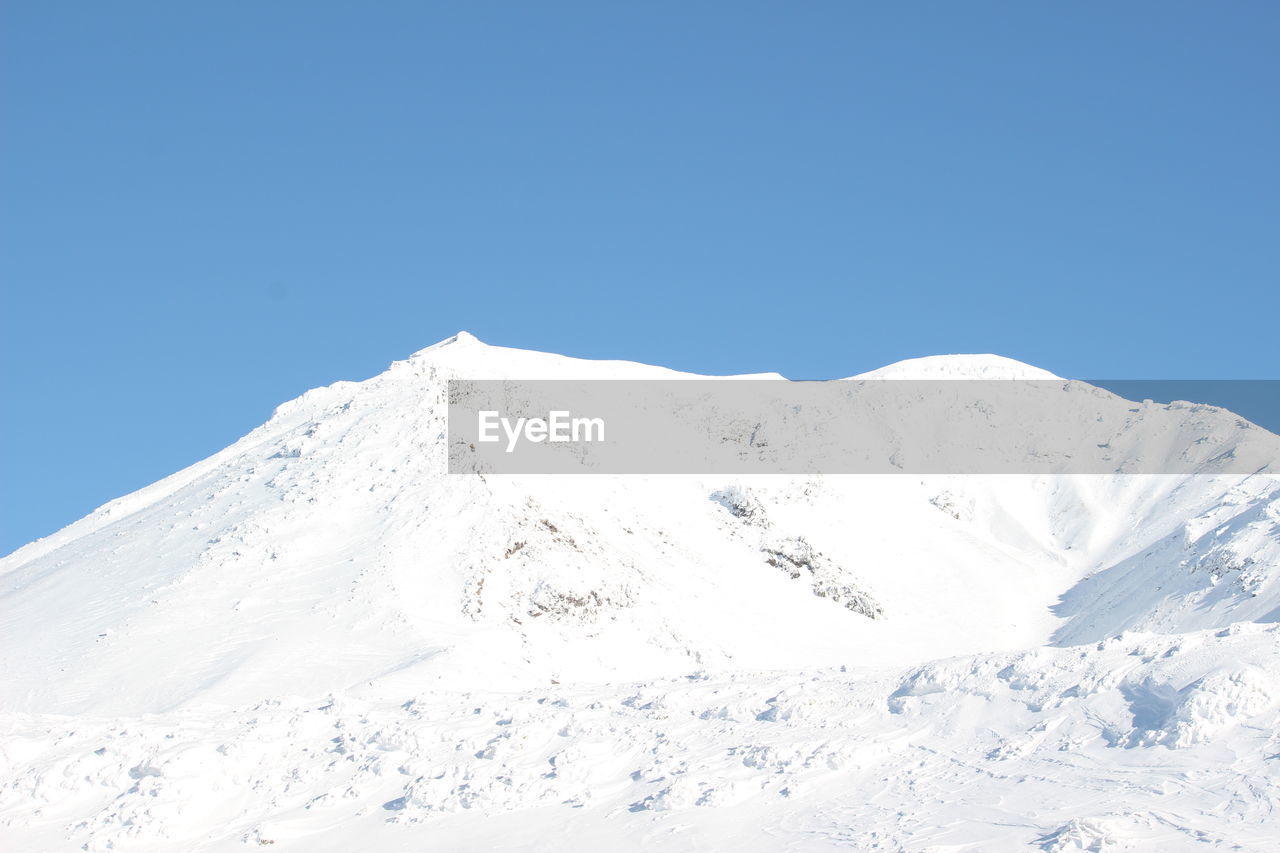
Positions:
{"x": 323, "y": 581}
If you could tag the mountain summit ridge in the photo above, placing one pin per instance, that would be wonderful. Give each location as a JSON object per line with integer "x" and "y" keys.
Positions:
{"x": 329, "y": 547}
{"x": 958, "y": 366}
{"x": 950, "y": 366}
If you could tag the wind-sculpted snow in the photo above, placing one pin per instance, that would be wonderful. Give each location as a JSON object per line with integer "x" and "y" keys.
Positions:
{"x": 317, "y": 639}
{"x": 1146, "y": 742}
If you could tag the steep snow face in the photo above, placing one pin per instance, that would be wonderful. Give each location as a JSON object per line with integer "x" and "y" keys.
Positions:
{"x": 329, "y": 548}
{"x": 1217, "y": 567}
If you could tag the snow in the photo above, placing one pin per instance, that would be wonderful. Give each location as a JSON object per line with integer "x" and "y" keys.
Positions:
{"x": 958, "y": 367}
{"x": 317, "y": 639}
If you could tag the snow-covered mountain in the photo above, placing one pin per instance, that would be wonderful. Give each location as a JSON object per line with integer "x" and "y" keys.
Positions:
{"x": 318, "y": 635}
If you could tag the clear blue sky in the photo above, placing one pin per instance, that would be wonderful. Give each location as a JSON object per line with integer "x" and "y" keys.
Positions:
{"x": 208, "y": 208}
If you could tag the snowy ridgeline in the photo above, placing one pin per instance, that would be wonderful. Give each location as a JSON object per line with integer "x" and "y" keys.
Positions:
{"x": 336, "y": 645}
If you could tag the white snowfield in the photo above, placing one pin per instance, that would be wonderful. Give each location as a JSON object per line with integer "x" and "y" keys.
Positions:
{"x": 317, "y": 640}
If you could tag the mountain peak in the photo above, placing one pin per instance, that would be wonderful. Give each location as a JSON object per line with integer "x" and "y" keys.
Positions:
{"x": 968, "y": 366}
{"x": 462, "y": 338}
